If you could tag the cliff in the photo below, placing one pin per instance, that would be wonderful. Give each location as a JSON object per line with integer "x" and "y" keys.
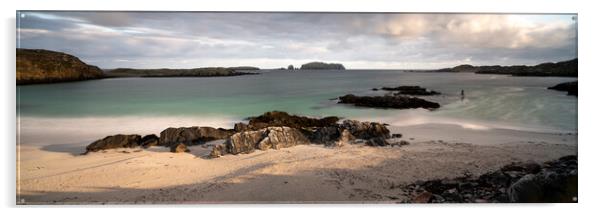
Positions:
{"x": 44, "y": 66}
{"x": 322, "y": 66}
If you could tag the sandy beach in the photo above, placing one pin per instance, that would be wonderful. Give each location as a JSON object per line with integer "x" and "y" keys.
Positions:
{"x": 301, "y": 174}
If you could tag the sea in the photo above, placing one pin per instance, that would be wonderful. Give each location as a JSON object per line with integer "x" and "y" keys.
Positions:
{"x": 80, "y": 112}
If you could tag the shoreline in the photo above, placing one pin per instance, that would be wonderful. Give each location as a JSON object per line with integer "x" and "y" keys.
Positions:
{"x": 300, "y": 174}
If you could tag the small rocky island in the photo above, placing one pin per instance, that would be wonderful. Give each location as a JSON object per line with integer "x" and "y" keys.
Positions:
{"x": 35, "y": 66}
{"x": 322, "y": 66}
{"x": 570, "y": 87}
{"x": 563, "y": 69}
{"x": 271, "y": 130}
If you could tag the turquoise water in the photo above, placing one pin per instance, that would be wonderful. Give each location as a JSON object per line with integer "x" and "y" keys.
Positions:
{"x": 492, "y": 101}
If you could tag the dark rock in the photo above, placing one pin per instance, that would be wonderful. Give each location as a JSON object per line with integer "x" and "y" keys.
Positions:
{"x": 377, "y": 141}
{"x": 374, "y": 89}
{"x": 179, "y": 148}
{"x": 423, "y": 197}
{"x": 326, "y": 135}
{"x": 192, "y": 135}
{"x": 396, "y": 135}
{"x": 410, "y": 90}
{"x": 570, "y": 87}
{"x": 44, "y": 66}
{"x": 115, "y": 141}
{"x": 366, "y": 130}
{"x": 278, "y": 119}
{"x": 397, "y": 102}
{"x": 149, "y": 140}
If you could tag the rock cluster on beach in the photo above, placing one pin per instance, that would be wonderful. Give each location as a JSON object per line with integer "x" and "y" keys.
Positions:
{"x": 570, "y": 87}
{"x": 553, "y": 181}
{"x": 396, "y": 102}
{"x": 271, "y": 130}
{"x": 411, "y": 90}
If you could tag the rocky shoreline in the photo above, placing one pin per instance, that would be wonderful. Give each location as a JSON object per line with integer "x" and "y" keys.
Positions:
{"x": 529, "y": 182}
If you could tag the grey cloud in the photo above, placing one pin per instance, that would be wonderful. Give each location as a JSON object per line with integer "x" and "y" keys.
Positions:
{"x": 117, "y": 39}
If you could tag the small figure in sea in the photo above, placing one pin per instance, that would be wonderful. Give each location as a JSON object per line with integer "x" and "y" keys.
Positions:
{"x": 462, "y": 95}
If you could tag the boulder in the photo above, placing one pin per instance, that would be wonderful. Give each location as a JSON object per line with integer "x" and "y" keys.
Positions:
{"x": 115, "y": 141}
{"x": 366, "y": 130}
{"x": 179, "y": 148}
{"x": 281, "y": 137}
{"x": 192, "y": 135}
{"x": 325, "y": 135}
{"x": 218, "y": 151}
{"x": 396, "y": 135}
{"x": 149, "y": 140}
{"x": 387, "y": 101}
{"x": 271, "y": 137}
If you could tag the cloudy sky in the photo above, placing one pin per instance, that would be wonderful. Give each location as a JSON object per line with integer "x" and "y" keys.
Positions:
{"x": 271, "y": 40}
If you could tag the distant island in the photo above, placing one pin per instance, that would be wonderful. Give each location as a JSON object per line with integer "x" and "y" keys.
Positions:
{"x": 43, "y": 66}
{"x": 38, "y": 66}
{"x": 321, "y": 66}
{"x": 563, "y": 68}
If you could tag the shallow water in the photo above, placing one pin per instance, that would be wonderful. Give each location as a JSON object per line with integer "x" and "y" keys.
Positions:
{"x": 152, "y": 104}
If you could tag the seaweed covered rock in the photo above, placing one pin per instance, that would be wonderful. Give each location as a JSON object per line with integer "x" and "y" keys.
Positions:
{"x": 366, "y": 130}
{"x": 279, "y": 119}
{"x": 396, "y": 102}
{"x": 410, "y": 90}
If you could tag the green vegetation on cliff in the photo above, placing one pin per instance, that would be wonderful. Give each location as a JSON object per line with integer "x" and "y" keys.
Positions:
{"x": 322, "y": 66}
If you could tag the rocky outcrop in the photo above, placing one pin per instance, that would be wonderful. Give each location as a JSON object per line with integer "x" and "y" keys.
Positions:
{"x": 192, "y": 135}
{"x": 115, "y": 141}
{"x": 278, "y": 119}
{"x": 570, "y": 87}
{"x": 322, "y": 66}
{"x": 396, "y": 102}
{"x": 263, "y": 139}
{"x": 411, "y": 90}
{"x": 43, "y": 66}
{"x": 553, "y": 181}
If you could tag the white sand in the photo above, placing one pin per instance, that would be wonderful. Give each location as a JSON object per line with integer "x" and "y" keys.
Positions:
{"x": 311, "y": 173}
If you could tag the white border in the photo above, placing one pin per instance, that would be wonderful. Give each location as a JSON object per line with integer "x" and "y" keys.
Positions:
{"x": 589, "y": 117}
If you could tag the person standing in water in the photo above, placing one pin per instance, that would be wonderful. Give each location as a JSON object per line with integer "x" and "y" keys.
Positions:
{"x": 462, "y": 95}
